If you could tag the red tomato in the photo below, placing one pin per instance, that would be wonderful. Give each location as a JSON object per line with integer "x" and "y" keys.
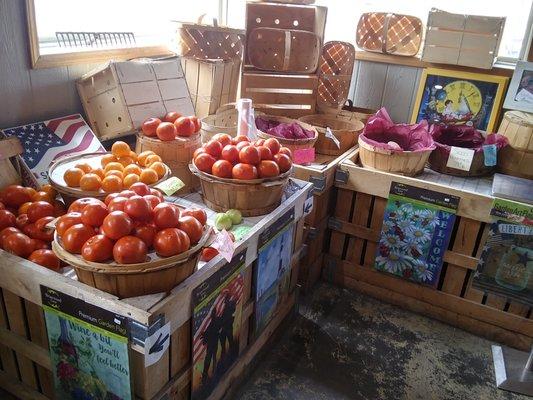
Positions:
{"x": 199, "y": 150}
{"x": 167, "y": 242}
{"x": 242, "y": 145}
{"x": 268, "y": 169}
{"x": 283, "y": 161}
{"x": 139, "y": 208}
{"x": 127, "y": 193}
{"x": 7, "y": 218}
{"x": 94, "y": 214}
{"x": 259, "y": 142}
{"x": 197, "y": 123}
{"x": 59, "y": 208}
{"x": 146, "y": 233}
{"x": 39, "y": 209}
{"x": 19, "y": 244}
{"x": 117, "y": 224}
{"x": 46, "y": 235}
{"x": 286, "y": 151}
{"x": 208, "y": 253}
{"x": 130, "y": 250}
{"x": 264, "y": 153}
{"x": 80, "y": 204}
{"x": 197, "y": 213}
{"x": 21, "y": 221}
{"x": 157, "y": 193}
{"x": 249, "y": 155}
{"x": 153, "y": 200}
{"x": 110, "y": 197}
{"x": 185, "y": 127}
{"x": 150, "y": 125}
{"x": 213, "y": 148}
{"x": 240, "y": 138}
{"x": 192, "y": 227}
{"x": 273, "y": 145}
{"x": 142, "y": 189}
{"x": 2, "y": 206}
{"x": 66, "y": 221}
{"x": 230, "y": 153}
{"x": 45, "y": 258}
{"x": 223, "y": 138}
{"x": 75, "y": 236}
{"x": 185, "y": 241}
{"x": 204, "y": 162}
{"x": 244, "y": 171}
{"x": 166, "y": 216}
{"x": 166, "y": 131}
{"x": 99, "y": 248}
{"x": 222, "y": 169}
{"x": 171, "y": 116}
{"x": 39, "y": 244}
{"x": 6, "y": 232}
{"x": 42, "y": 223}
{"x": 15, "y": 196}
{"x": 117, "y": 204}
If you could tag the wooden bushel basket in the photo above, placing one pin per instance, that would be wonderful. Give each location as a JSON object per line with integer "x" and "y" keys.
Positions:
{"x": 409, "y": 163}
{"x": 346, "y": 132}
{"x": 130, "y": 280}
{"x": 348, "y": 112}
{"x": 177, "y": 154}
{"x": 517, "y": 158}
{"x": 283, "y": 50}
{"x": 290, "y": 143}
{"x": 252, "y": 198}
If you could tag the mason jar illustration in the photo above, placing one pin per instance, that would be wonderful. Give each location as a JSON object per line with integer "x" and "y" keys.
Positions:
{"x": 515, "y": 268}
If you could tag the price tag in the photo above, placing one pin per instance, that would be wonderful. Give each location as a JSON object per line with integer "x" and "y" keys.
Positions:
{"x": 170, "y": 186}
{"x": 490, "y": 154}
{"x": 460, "y": 158}
{"x": 303, "y": 156}
{"x": 333, "y": 138}
{"x": 224, "y": 245}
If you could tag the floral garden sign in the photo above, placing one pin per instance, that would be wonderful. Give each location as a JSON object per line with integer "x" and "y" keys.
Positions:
{"x": 415, "y": 234}
{"x": 88, "y": 349}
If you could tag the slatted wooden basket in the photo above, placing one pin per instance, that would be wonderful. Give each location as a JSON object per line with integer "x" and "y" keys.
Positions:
{"x": 177, "y": 154}
{"x": 335, "y": 73}
{"x": 517, "y": 158}
{"x": 346, "y": 133}
{"x": 252, "y": 198}
{"x": 348, "y": 112}
{"x": 291, "y": 144}
{"x": 156, "y": 275}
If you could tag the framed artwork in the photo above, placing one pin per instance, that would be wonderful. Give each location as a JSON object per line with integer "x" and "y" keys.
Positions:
{"x": 520, "y": 94}
{"x": 456, "y": 97}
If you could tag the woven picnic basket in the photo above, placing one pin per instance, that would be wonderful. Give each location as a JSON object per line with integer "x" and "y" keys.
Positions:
{"x": 389, "y": 33}
{"x": 335, "y": 73}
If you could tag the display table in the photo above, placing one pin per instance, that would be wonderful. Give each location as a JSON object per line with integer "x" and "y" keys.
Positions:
{"x": 356, "y": 225}
{"x": 23, "y": 329}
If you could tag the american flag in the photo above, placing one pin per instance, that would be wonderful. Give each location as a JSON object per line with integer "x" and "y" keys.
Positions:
{"x": 203, "y": 318}
{"x": 46, "y": 141}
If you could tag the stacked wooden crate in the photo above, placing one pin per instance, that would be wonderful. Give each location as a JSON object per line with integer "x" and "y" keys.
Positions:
{"x": 276, "y": 79}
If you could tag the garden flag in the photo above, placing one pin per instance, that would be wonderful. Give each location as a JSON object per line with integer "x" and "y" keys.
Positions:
{"x": 46, "y": 141}
{"x": 415, "y": 234}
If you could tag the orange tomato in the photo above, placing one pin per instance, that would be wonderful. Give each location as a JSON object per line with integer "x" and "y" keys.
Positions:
{"x": 115, "y": 173}
{"x": 45, "y": 258}
{"x": 15, "y": 195}
{"x": 125, "y": 161}
{"x": 100, "y": 172}
{"x": 249, "y": 155}
{"x": 213, "y": 148}
{"x": 111, "y": 184}
{"x": 273, "y": 145}
{"x": 48, "y": 189}
{"x": 159, "y": 168}
{"x": 185, "y": 127}
{"x": 222, "y": 169}
{"x": 120, "y": 149}
{"x": 86, "y": 168}
{"x": 130, "y": 250}
{"x": 171, "y": 116}
{"x": 107, "y": 158}
{"x": 42, "y": 196}
{"x": 141, "y": 158}
{"x": 130, "y": 179}
{"x": 132, "y": 169}
{"x": 166, "y": 131}
{"x": 32, "y": 191}
{"x": 244, "y": 171}
{"x": 150, "y": 125}
{"x": 204, "y": 162}
{"x": 268, "y": 169}
{"x": 114, "y": 165}
{"x": 149, "y": 176}
{"x": 90, "y": 182}
{"x": 72, "y": 176}
{"x": 152, "y": 158}
{"x": 23, "y": 209}
{"x": 283, "y": 161}
{"x": 223, "y": 138}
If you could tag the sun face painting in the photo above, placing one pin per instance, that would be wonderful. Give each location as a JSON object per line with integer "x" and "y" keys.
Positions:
{"x": 450, "y": 97}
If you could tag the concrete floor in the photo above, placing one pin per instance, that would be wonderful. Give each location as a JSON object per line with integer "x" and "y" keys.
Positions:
{"x": 344, "y": 345}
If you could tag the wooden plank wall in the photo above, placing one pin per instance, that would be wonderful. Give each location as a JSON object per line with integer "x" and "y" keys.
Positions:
{"x": 375, "y": 85}
{"x": 28, "y": 95}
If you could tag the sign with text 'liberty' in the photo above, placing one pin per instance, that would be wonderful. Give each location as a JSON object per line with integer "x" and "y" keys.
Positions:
{"x": 88, "y": 348}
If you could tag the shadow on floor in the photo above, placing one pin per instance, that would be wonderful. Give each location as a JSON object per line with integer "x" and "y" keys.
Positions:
{"x": 344, "y": 345}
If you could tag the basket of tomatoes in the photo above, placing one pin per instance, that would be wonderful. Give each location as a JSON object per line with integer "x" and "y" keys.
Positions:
{"x": 291, "y": 133}
{"x": 238, "y": 174}
{"x": 174, "y": 138}
{"x": 98, "y": 174}
{"x": 25, "y": 217}
{"x": 131, "y": 244}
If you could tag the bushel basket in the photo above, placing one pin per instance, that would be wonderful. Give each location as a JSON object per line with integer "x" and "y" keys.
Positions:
{"x": 292, "y": 144}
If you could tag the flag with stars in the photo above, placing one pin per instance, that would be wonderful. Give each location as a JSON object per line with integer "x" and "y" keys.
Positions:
{"x": 46, "y": 141}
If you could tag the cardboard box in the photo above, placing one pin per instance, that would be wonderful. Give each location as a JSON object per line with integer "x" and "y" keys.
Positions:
{"x": 119, "y": 96}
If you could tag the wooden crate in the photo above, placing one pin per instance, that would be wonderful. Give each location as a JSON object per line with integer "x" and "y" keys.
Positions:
{"x": 120, "y": 96}
{"x": 356, "y": 224}
{"x": 24, "y": 355}
{"x": 277, "y": 94}
{"x": 313, "y": 259}
{"x": 212, "y": 83}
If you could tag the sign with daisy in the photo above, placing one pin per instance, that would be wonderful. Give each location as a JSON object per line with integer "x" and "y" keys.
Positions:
{"x": 416, "y": 230}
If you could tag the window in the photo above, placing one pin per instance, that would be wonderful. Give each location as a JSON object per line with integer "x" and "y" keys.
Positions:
{"x": 73, "y": 31}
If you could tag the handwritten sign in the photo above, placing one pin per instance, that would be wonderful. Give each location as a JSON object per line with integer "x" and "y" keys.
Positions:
{"x": 460, "y": 158}
{"x": 170, "y": 185}
{"x": 224, "y": 244}
{"x": 303, "y": 156}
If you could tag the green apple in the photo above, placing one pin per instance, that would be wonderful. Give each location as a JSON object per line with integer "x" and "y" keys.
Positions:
{"x": 235, "y": 215}
{"x": 223, "y": 221}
